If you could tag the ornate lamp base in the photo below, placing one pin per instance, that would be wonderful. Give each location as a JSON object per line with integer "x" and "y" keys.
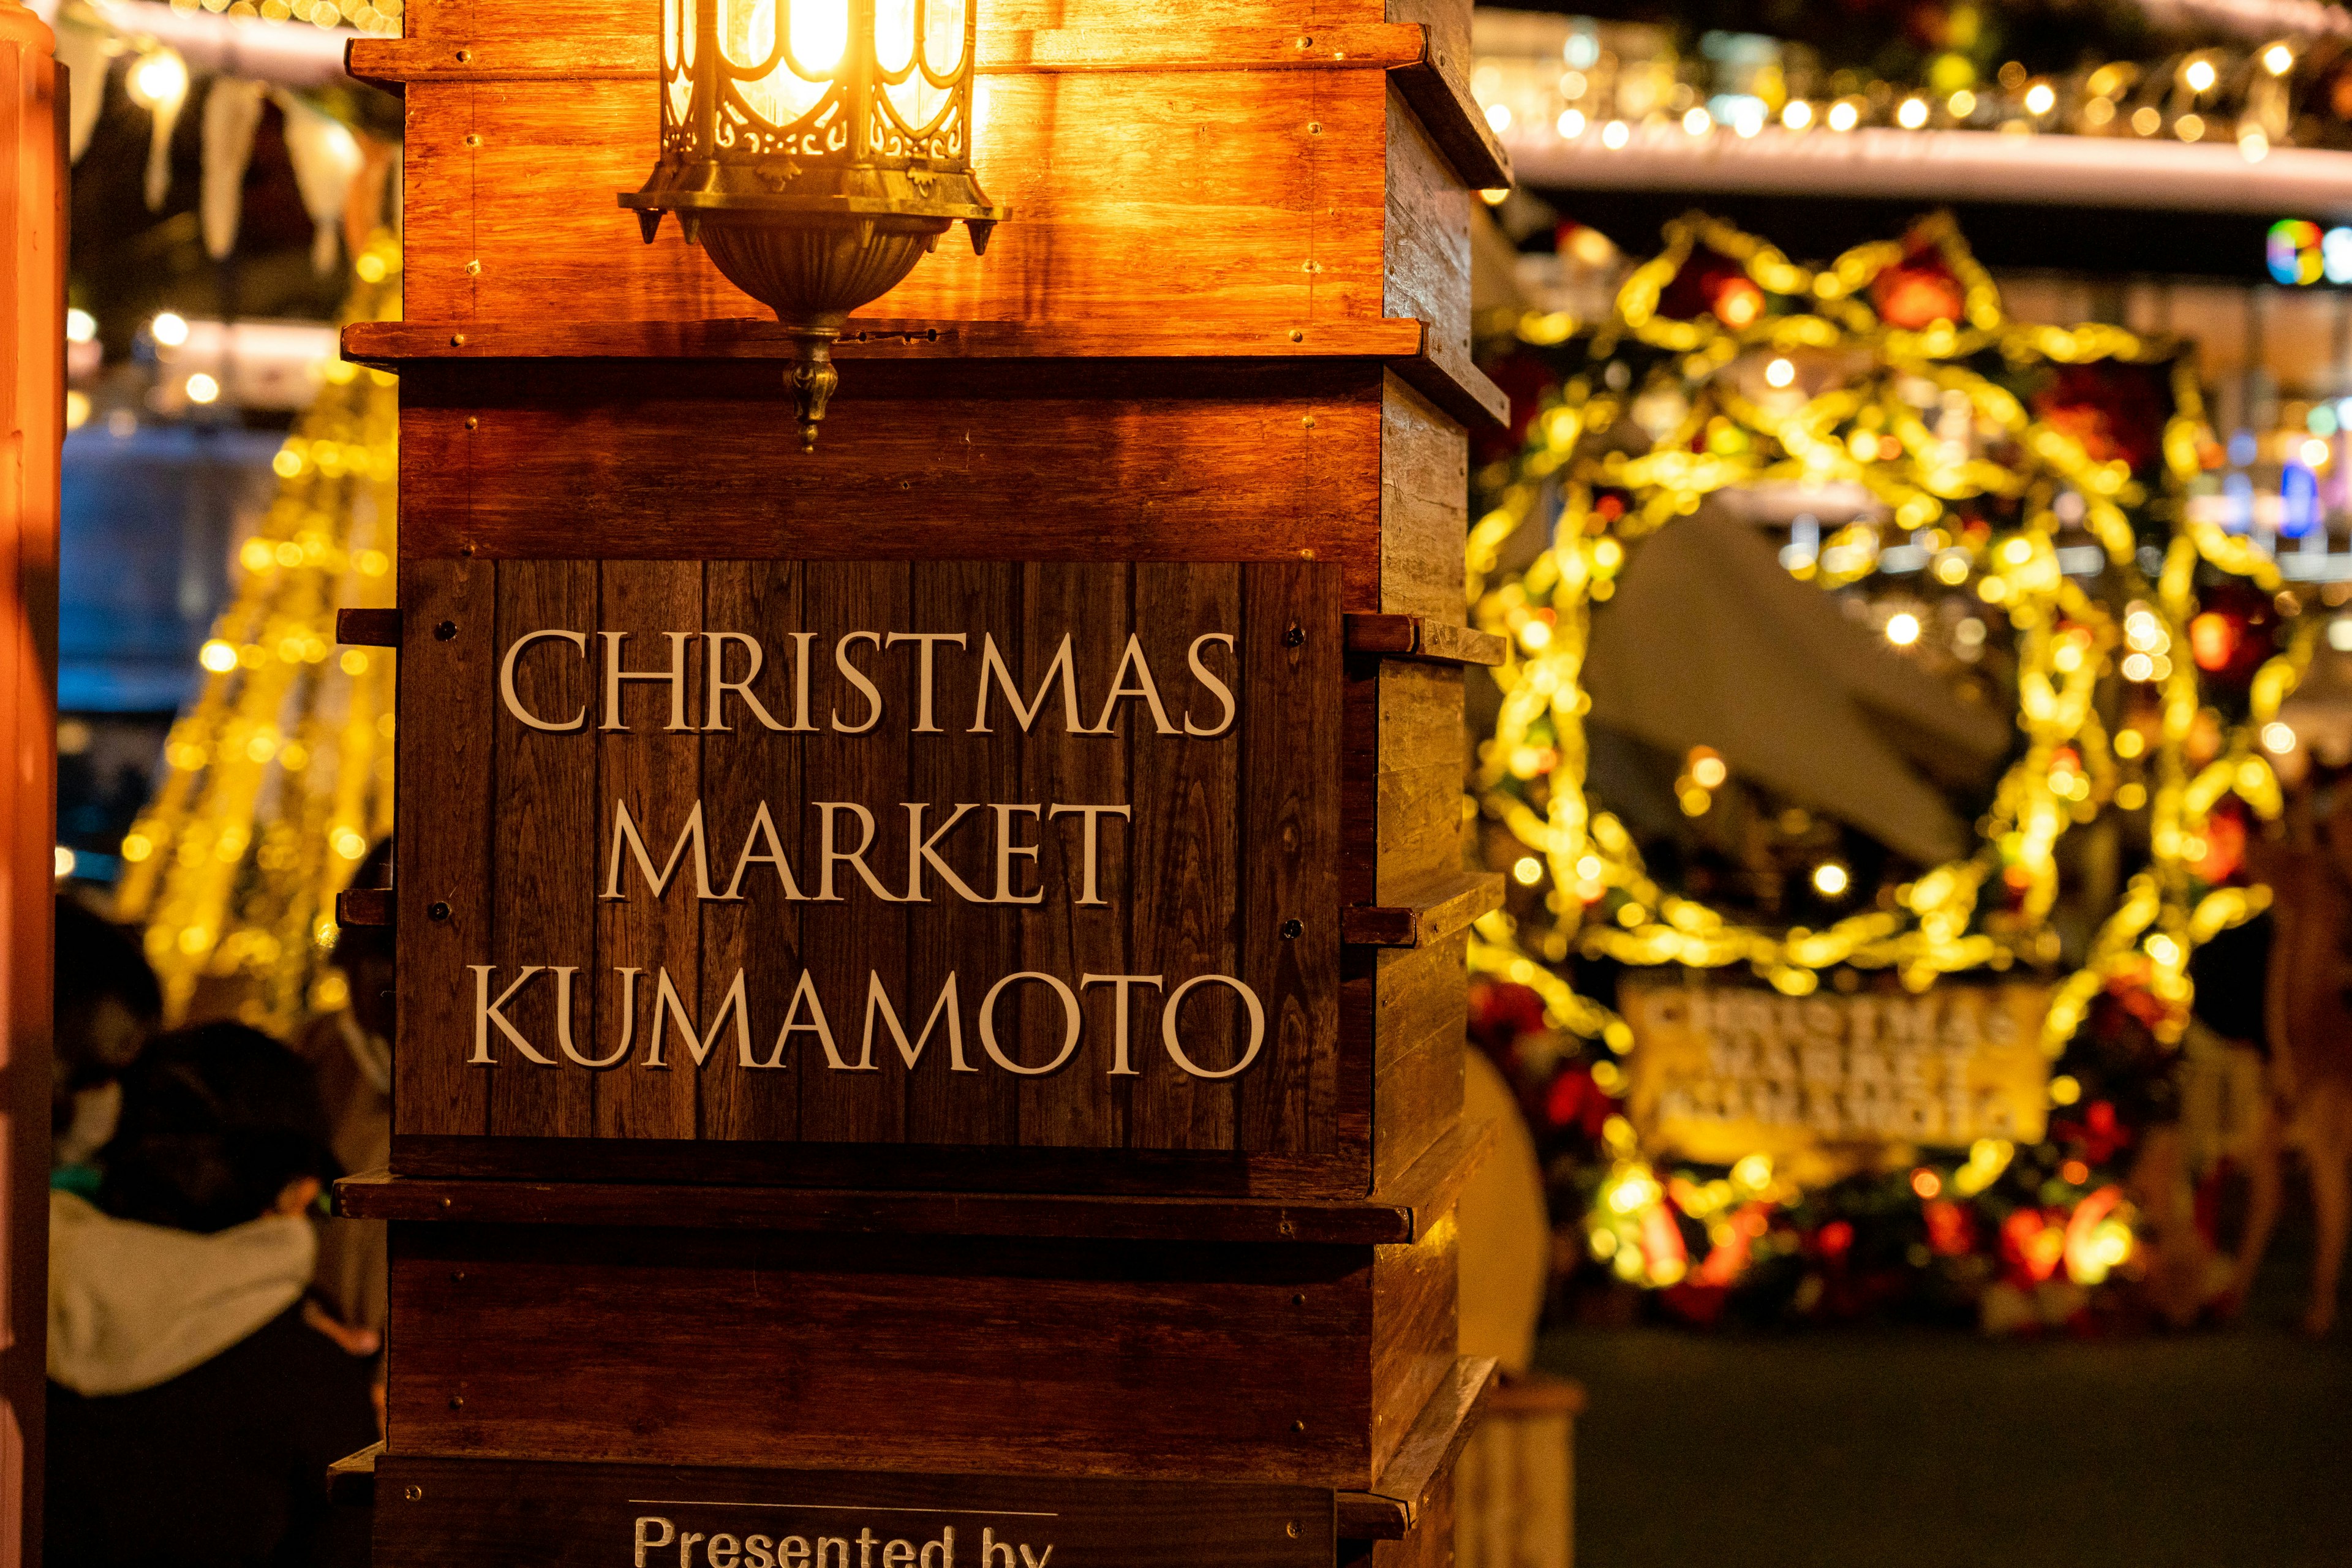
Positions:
{"x": 813, "y": 256}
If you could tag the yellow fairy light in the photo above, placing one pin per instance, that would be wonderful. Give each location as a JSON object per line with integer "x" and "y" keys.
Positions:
{"x": 1830, "y": 880}
{"x": 1845, "y": 115}
{"x": 2278, "y": 738}
{"x": 1528, "y": 871}
{"x": 1912, "y": 115}
{"x": 1902, "y": 629}
{"x": 2279, "y": 58}
{"x": 2199, "y": 75}
{"x": 279, "y": 776}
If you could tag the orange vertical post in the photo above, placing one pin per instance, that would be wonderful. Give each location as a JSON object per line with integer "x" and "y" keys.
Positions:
{"x": 32, "y": 419}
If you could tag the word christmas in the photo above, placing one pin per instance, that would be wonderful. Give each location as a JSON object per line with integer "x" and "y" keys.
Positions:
{"x": 1948, "y": 1068}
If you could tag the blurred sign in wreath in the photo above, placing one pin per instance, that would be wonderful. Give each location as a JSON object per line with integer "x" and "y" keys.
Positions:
{"x": 2035, "y": 482}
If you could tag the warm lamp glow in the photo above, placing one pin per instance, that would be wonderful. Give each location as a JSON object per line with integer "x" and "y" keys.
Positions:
{"x": 817, "y": 148}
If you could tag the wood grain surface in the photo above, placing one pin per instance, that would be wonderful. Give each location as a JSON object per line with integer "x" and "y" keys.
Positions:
{"x": 1226, "y": 861}
{"x": 1010, "y": 1354}
{"x": 432, "y": 1512}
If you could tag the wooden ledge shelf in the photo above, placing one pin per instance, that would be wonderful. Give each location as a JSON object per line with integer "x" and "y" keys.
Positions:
{"x": 1422, "y": 637}
{"x": 1393, "y": 1506}
{"x": 1435, "y": 84}
{"x": 1400, "y": 1215}
{"x": 1401, "y": 342}
{"x": 1431, "y": 912}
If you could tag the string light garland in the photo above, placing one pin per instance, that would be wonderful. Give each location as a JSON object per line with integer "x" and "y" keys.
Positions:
{"x": 2273, "y": 93}
{"x": 280, "y": 777}
{"x": 1879, "y": 326}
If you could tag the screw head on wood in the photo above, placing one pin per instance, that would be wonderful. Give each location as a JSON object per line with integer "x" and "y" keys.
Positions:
{"x": 1315, "y": 127}
{"x": 1292, "y": 930}
{"x": 1299, "y": 1426}
{"x": 473, "y": 423}
{"x": 1291, "y": 1529}
{"x": 1299, "y": 1300}
{"x": 1297, "y": 335}
{"x": 445, "y": 631}
{"x": 456, "y": 1402}
{"x": 1295, "y": 636}
{"x": 465, "y": 56}
{"x": 412, "y": 1493}
{"x": 439, "y": 911}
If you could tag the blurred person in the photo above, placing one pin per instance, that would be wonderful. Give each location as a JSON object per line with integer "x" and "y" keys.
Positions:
{"x": 193, "y": 1408}
{"x": 350, "y": 1050}
{"x": 108, "y": 1004}
{"x": 2307, "y": 1017}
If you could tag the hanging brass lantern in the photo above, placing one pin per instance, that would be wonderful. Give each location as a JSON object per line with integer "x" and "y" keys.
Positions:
{"x": 817, "y": 148}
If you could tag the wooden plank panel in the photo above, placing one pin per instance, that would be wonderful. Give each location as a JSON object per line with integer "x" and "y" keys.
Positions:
{"x": 544, "y": 797}
{"x": 1187, "y": 870}
{"x": 1427, "y": 235}
{"x": 1092, "y": 606}
{"x": 1290, "y": 835}
{"x": 1260, "y": 217}
{"x": 745, "y": 766}
{"x": 1424, "y": 752}
{"x": 974, "y": 942}
{"x": 846, "y": 942}
{"x": 1254, "y": 1356}
{"x": 1424, "y": 506}
{"x": 1413, "y": 1337}
{"x": 610, "y": 470}
{"x": 1417, "y": 1094}
{"x": 432, "y": 1512}
{"x": 443, "y": 737}
{"x": 657, "y": 775}
{"x": 494, "y": 19}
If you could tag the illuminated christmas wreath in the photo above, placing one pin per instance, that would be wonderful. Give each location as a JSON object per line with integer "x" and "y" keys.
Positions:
{"x": 1777, "y": 374}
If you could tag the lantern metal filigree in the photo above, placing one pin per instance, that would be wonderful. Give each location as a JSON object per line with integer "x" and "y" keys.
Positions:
{"x": 817, "y": 148}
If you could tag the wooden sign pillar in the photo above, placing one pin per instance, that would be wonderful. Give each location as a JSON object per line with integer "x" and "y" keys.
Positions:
{"x": 931, "y": 999}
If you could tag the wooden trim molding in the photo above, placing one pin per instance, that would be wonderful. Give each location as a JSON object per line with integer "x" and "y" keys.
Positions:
{"x": 367, "y": 628}
{"x": 1438, "y": 909}
{"x": 364, "y": 907}
{"x": 1394, "y": 1504}
{"x": 1422, "y": 637}
{"x": 1402, "y": 342}
{"x": 1400, "y": 1215}
{"x": 1438, "y": 92}
{"x": 393, "y": 63}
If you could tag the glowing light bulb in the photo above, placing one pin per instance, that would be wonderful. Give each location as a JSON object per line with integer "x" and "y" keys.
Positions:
{"x": 1571, "y": 123}
{"x": 2278, "y": 738}
{"x": 1962, "y": 104}
{"x": 1498, "y": 115}
{"x": 2278, "y": 60}
{"x": 203, "y": 388}
{"x": 1527, "y": 871}
{"x": 169, "y": 329}
{"x": 1830, "y": 879}
{"x": 218, "y": 657}
{"x": 1913, "y": 114}
{"x": 80, "y": 325}
{"x": 1696, "y": 123}
{"x": 1615, "y": 134}
{"x": 2199, "y": 75}
{"x": 1708, "y": 773}
{"x": 159, "y": 79}
{"x": 1902, "y": 629}
{"x": 1780, "y": 372}
{"x": 819, "y": 31}
{"x": 2039, "y": 98}
{"x": 1797, "y": 114}
{"x": 1843, "y": 116}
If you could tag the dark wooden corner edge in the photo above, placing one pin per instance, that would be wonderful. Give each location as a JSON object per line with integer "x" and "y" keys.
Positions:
{"x": 1437, "y": 88}
{"x": 367, "y": 628}
{"x": 350, "y": 1481}
{"x": 364, "y": 907}
{"x": 1429, "y": 1187}
{"x": 1422, "y": 637}
{"x": 1431, "y": 913}
{"x": 1393, "y": 1505}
